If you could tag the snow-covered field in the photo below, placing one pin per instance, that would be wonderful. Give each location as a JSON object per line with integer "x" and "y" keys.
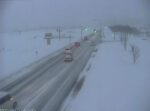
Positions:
{"x": 114, "y": 82}
{"x": 19, "y": 49}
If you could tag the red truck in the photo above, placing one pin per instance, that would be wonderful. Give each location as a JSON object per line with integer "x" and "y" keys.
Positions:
{"x": 68, "y": 51}
{"x": 77, "y": 43}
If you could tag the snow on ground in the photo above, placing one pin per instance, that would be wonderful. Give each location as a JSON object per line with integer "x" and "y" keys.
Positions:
{"x": 114, "y": 82}
{"x": 19, "y": 49}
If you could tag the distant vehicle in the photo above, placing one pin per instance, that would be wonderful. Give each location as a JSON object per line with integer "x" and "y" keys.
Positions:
{"x": 7, "y": 101}
{"x": 85, "y": 38}
{"x": 68, "y": 58}
{"x": 77, "y": 43}
{"x": 68, "y": 51}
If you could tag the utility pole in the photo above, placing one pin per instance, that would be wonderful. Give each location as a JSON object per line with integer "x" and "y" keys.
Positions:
{"x": 70, "y": 38}
{"x": 59, "y": 30}
{"x": 81, "y": 32}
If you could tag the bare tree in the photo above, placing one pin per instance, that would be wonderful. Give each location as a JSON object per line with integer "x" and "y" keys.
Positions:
{"x": 135, "y": 53}
{"x": 125, "y": 31}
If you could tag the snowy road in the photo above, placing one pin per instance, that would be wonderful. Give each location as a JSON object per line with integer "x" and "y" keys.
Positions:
{"x": 46, "y": 87}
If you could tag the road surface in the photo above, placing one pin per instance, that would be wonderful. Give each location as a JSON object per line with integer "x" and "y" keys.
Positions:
{"x": 46, "y": 87}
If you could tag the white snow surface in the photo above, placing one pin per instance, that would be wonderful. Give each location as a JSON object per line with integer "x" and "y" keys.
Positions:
{"x": 19, "y": 49}
{"x": 114, "y": 82}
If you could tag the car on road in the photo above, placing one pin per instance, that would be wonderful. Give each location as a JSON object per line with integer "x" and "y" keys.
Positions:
{"x": 68, "y": 51}
{"x": 85, "y": 38}
{"x": 7, "y": 101}
{"x": 68, "y": 58}
{"x": 77, "y": 43}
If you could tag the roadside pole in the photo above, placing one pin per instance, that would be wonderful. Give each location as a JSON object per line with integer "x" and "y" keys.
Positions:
{"x": 59, "y": 30}
{"x": 81, "y": 32}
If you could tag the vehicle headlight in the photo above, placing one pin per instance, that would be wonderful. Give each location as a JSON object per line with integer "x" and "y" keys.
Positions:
{"x": 11, "y": 99}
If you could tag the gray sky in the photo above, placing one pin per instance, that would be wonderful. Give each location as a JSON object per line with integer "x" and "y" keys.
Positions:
{"x": 24, "y": 14}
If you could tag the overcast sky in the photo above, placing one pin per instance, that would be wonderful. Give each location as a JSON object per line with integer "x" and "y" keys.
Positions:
{"x": 22, "y": 14}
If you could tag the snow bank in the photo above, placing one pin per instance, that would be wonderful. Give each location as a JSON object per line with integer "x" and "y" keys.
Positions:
{"x": 114, "y": 82}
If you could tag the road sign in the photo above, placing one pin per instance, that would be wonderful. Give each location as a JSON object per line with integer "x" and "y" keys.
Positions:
{"x": 48, "y": 37}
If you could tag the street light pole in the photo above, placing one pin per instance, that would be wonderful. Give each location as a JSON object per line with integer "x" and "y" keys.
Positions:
{"x": 59, "y": 30}
{"x": 81, "y": 32}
